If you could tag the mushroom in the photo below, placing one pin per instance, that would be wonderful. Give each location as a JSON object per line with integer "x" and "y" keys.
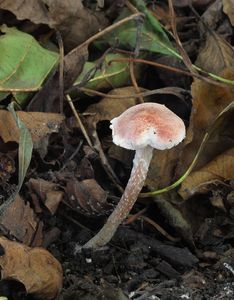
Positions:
{"x": 142, "y": 128}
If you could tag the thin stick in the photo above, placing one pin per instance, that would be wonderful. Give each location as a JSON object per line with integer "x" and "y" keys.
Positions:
{"x": 165, "y": 90}
{"x": 69, "y": 100}
{"x": 134, "y": 82}
{"x": 183, "y": 53}
{"x": 131, "y": 7}
{"x": 159, "y": 229}
{"x": 148, "y": 62}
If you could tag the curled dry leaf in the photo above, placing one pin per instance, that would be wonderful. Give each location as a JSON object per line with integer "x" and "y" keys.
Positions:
{"x": 216, "y": 55}
{"x": 108, "y": 108}
{"x": 65, "y": 16}
{"x": 47, "y": 192}
{"x": 87, "y": 197}
{"x": 36, "y": 268}
{"x": 209, "y": 102}
{"x": 53, "y": 199}
{"x": 39, "y": 124}
{"x": 220, "y": 168}
{"x": 20, "y": 221}
{"x": 214, "y": 19}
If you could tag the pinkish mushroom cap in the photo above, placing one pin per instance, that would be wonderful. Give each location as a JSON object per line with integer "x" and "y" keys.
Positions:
{"x": 147, "y": 124}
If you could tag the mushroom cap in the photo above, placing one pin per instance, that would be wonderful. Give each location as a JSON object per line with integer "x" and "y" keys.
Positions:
{"x": 147, "y": 124}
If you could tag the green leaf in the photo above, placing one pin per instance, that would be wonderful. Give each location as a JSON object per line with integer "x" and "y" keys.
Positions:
{"x": 24, "y": 62}
{"x": 24, "y": 155}
{"x": 25, "y": 147}
{"x": 111, "y": 74}
{"x": 153, "y": 39}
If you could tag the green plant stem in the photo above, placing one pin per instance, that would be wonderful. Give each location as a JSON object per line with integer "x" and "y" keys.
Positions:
{"x": 182, "y": 178}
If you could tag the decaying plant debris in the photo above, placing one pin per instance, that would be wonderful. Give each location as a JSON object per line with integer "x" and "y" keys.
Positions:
{"x": 67, "y": 69}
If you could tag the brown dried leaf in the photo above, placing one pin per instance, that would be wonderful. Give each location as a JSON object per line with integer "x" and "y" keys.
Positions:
{"x": 21, "y": 222}
{"x": 216, "y": 55}
{"x": 87, "y": 197}
{"x": 108, "y": 108}
{"x": 65, "y": 16}
{"x": 39, "y": 124}
{"x": 41, "y": 187}
{"x": 228, "y": 8}
{"x": 220, "y": 168}
{"x": 48, "y": 193}
{"x": 209, "y": 102}
{"x": 53, "y": 199}
{"x": 214, "y": 19}
{"x": 34, "y": 10}
{"x": 36, "y": 268}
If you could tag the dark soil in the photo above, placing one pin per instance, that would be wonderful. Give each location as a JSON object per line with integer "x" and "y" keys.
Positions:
{"x": 136, "y": 265}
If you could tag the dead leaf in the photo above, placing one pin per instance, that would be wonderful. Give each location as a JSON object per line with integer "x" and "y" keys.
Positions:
{"x": 69, "y": 15}
{"x": 20, "y": 221}
{"x": 65, "y": 16}
{"x": 33, "y": 10}
{"x": 47, "y": 192}
{"x": 216, "y": 55}
{"x": 209, "y": 101}
{"x": 220, "y": 168}
{"x": 36, "y": 268}
{"x": 39, "y": 124}
{"x": 228, "y": 8}
{"x": 87, "y": 197}
{"x": 108, "y": 108}
{"x": 53, "y": 199}
{"x": 214, "y": 19}
{"x": 41, "y": 187}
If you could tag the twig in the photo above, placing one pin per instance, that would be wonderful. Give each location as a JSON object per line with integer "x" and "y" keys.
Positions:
{"x": 131, "y": 7}
{"x": 183, "y": 53}
{"x": 134, "y": 82}
{"x": 207, "y": 79}
{"x": 98, "y": 147}
{"x": 91, "y": 73}
{"x": 160, "y": 229}
{"x": 166, "y": 90}
{"x": 69, "y": 100}
{"x": 72, "y": 156}
{"x": 139, "y": 25}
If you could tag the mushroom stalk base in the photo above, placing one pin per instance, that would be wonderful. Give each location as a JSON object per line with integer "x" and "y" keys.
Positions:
{"x": 136, "y": 182}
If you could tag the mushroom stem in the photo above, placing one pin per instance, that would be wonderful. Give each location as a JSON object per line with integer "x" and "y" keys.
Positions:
{"x": 136, "y": 182}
